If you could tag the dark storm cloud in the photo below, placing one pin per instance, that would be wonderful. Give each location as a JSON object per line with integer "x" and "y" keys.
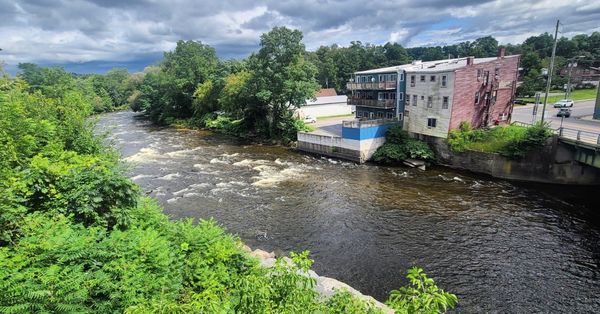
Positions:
{"x": 97, "y": 33}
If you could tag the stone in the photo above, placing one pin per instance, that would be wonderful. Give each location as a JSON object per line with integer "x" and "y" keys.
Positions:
{"x": 262, "y": 254}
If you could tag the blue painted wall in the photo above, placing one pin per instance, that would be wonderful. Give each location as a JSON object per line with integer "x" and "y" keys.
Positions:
{"x": 365, "y": 133}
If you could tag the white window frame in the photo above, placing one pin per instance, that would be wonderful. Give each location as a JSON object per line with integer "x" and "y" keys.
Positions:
{"x": 401, "y": 77}
{"x": 444, "y": 80}
{"x": 380, "y": 96}
{"x": 400, "y": 96}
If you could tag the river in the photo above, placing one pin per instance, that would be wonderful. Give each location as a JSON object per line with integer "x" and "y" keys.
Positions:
{"x": 500, "y": 246}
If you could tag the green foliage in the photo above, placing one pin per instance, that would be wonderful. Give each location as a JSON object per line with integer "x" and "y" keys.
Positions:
{"x": 399, "y": 146}
{"x": 512, "y": 141}
{"x": 534, "y": 137}
{"x": 421, "y": 296}
{"x": 76, "y": 236}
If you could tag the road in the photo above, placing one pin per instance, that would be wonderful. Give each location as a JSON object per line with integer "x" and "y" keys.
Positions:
{"x": 580, "y": 117}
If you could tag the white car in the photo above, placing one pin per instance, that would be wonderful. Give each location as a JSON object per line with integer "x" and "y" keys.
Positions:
{"x": 565, "y": 103}
{"x": 310, "y": 119}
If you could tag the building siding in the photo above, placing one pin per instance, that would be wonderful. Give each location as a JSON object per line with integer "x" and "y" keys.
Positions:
{"x": 466, "y": 85}
{"x": 418, "y": 115}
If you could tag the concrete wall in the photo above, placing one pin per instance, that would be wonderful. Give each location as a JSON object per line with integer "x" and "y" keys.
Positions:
{"x": 325, "y": 110}
{"x": 350, "y": 149}
{"x": 418, "y": 113}
{"x": 467, "y": 84}
{"x": 554, "y": 164}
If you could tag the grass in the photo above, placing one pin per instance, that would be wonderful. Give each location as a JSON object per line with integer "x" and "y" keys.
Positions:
{"x": 579, "y": 94}
{"x": 490, "y": 141}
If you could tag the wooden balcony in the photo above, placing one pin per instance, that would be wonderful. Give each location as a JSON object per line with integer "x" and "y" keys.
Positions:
{"x": 388, "y": 85}
{"x": 374, "y": 103}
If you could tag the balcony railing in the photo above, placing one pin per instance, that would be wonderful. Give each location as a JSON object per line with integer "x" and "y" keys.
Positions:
{"x": 385, "y": 104}
{"x": 365, "y": 123}
{"x": 372, "y": 86}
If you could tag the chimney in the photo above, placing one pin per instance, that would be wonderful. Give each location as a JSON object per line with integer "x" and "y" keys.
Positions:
{"x": 501, "y": 52}
{"x": 470, "y": 60}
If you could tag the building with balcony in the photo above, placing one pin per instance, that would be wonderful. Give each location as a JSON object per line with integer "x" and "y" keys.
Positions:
{"x": 431, "y": 98}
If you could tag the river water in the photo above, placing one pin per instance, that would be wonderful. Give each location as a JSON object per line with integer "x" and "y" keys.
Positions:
{"x": 500, "y": 246}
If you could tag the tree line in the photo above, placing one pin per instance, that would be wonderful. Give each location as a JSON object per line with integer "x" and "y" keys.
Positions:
{"x": 255, "y": 96}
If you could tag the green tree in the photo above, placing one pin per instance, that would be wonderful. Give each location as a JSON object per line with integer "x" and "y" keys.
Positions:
{"x": 282, "y": 80}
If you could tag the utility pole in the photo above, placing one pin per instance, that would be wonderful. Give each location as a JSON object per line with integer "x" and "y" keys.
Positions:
{"x": 549, "y": 81}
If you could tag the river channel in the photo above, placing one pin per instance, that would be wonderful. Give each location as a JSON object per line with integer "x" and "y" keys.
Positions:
{"x": 501, "y": 247}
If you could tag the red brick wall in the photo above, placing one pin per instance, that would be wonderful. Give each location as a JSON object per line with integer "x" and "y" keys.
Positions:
{"x": 466, "y": 85}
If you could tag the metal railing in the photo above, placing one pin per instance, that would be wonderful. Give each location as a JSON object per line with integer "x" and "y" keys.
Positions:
{"x": 360, "y": 123}
{"x": 579, "y": 136}
{"x": 592, "y": 138}
{"x": 385, "y": 104}
{"x": 372, "y": 85}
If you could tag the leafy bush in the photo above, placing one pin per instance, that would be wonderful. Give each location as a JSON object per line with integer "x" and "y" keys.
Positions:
{"x": 399, "y": 146}
{"x": 534, "y": 137}
{"x": 422, "y": 296}
{"x": 512, "y": 141}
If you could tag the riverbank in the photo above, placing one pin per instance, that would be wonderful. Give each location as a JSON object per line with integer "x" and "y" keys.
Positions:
{"x": 366, "y": 224}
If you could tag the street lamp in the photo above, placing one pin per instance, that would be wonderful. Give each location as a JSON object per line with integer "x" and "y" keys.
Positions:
{"x": 568, "y": 91}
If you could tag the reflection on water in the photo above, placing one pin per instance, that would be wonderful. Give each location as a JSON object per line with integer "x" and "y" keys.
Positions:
{"x": 499, "y": 246}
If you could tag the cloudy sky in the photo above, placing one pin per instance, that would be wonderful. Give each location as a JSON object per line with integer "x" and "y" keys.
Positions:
{"x": 96, "y": 35}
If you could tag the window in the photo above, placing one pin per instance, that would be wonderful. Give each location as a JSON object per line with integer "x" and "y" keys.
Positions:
{"x": 445, "y": 102}
{"x": 401, "y": 95}
{"x": 406, "y": 113}
{"x": 444, "y": 80}
{"x": 497, "y": 72}
{"x": 412, "y": 80}
{"x": 503, "y": 116}
{"x": 381, "y": 78}
{"x": 479, "y": 73}
{"x": 429, "y": 102}
{"x": 408, "y": 99}
{"x": 379, "y": 115}
{"x": 415, "y": 97}
{"x": 432, "y": 78}
{"x": 394, "y": 77}
{"x": 401, "y": 77}
{"x": 486, "y": 77}
{"x": 389, "y": 115}
{"x": 358, "y": 114}
{"x": 431, "y": 122}
{"x": 423, "y": 98}
{"x": 477, "y": 98}
{"x": 422, "y": 78}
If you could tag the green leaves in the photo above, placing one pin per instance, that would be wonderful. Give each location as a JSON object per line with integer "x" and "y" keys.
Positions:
{"x": 421, "y": 296}
{"x": 399, "y": 146}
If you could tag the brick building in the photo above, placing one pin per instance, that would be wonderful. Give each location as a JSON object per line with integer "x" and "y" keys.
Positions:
{"x": 435, "y": 97}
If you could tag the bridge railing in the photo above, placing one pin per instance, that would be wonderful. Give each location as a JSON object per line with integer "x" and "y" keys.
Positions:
{"x": 579, "y": 136}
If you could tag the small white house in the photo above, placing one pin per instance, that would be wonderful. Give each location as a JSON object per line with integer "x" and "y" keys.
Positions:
{"x": 327, "y": 103}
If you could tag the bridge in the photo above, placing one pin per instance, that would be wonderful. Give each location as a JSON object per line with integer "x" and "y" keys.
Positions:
{"x": 587, "y": 145}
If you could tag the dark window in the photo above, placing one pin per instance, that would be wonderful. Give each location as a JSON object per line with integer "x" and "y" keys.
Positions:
{"x": 408, "y": 99}
{"x": 476, "y": 98}
{"x": 422, "y": 78}
{"x": 412, "y": 80}
{"x": 431, "y": 122}
{"x": 401, "y": 96}
{"x": 479, "y": 72}
{"x": 444, "y": 79}
{"x": 445, "y": 102}
{"x": 415, "y": 97}
{"x": 497, "y": 72}
{"x": 429, "y": 102}
{"x": 432, "y": 78}
{"x": 379, "y": 114}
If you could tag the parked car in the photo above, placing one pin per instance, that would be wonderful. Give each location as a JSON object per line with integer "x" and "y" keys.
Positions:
{"x": 563, "y": 103}
{"x": 310, "y": 119}
{"x": 564, "y": 112}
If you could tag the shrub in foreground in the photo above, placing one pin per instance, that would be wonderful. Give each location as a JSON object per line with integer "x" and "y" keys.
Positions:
{"x": 399, "y": 146}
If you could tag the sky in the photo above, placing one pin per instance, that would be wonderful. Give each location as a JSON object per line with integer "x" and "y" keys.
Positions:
{"x": 92, "y": 36}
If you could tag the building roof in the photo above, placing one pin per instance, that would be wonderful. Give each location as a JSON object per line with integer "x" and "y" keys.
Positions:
{"x": 325, "y": 100}
{"x": 431, "y": 66}
{"x": 326, "y": 92}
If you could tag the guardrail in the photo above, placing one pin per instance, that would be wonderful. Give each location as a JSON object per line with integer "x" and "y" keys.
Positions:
{"x": 385, "y": 104}
{"x": 579, "y": 136}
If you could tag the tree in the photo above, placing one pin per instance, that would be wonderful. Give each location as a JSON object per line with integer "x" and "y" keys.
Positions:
{"x": 232, "y": 98}
{"x": 282, "y": 80}
{"x": 190, "y": 64}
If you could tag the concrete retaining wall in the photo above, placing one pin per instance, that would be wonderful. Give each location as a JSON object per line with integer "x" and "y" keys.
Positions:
{"x": 555, "y": 164}
{"x": 354, "y": 150}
